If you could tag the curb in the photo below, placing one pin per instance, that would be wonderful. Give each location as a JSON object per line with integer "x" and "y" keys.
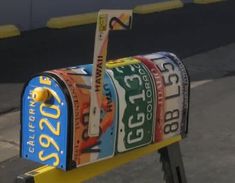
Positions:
{"x": 7, "y": 31}
{"x": 70, "y": 21}
{"x": 88, "y": 18}
{"x": 206, "y": 1}
{"x": 158, "y": 7}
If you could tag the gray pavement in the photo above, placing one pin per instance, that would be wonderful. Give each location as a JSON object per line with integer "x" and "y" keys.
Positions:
{"x": 208, "y": 152}
{"x": 10, "y": 97}
{"x": 9, "y": 136}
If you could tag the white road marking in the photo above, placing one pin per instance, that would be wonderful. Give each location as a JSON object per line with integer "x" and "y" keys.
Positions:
{"x": 6, "y": 144}
{"x": 199, "y": 83}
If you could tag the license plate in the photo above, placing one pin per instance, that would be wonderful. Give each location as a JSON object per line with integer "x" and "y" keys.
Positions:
{"x": 186, "y": 91}
{"x": 87, "y": 149}
{"x": 44, "y": 133}
{"x": 136, "y": 97}
{"x": 173, "y": 119}
{"x": 160, "y": 94}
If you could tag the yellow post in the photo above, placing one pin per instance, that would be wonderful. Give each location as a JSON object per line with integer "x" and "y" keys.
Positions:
{"x": 53, "y": 175}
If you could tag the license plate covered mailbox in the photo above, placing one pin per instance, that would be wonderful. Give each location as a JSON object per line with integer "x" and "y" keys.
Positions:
{"x": 145, "y": 100}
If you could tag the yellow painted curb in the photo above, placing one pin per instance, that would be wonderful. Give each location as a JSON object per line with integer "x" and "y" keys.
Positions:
{"x": 157, "y": 7}
{"x": 7, "y": 31}
{"x": 70, "y": 21}
{"x": 88, "y": 18}
{"x": 207, "y": 1}
{"x": 53, "y": 175}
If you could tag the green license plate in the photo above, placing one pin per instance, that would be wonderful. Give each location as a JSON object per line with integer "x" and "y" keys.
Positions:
{"x": 136, "y": 95}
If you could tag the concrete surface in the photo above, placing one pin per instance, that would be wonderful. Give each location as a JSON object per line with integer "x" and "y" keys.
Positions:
{"x": 10, "y": 97}
{"x": 9, "y": 136}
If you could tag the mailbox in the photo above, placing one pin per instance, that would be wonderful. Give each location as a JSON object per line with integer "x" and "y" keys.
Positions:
{"x": 145, "y": 100}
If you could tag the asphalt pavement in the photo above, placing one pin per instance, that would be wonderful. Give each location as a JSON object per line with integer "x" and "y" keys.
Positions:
{"x": 204, "y": 36}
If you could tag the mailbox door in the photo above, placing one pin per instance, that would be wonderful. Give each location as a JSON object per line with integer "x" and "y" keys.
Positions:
{"x": 44, "y": 125}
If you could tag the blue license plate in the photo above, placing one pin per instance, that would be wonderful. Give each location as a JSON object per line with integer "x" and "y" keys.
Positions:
{"x": 44, "y": 124}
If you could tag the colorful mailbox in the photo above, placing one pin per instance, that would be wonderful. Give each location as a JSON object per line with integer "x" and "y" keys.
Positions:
{"x": 145, "y": 100}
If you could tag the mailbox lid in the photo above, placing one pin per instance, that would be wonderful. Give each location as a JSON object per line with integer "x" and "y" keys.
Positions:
{"x": 45, "y": 126}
